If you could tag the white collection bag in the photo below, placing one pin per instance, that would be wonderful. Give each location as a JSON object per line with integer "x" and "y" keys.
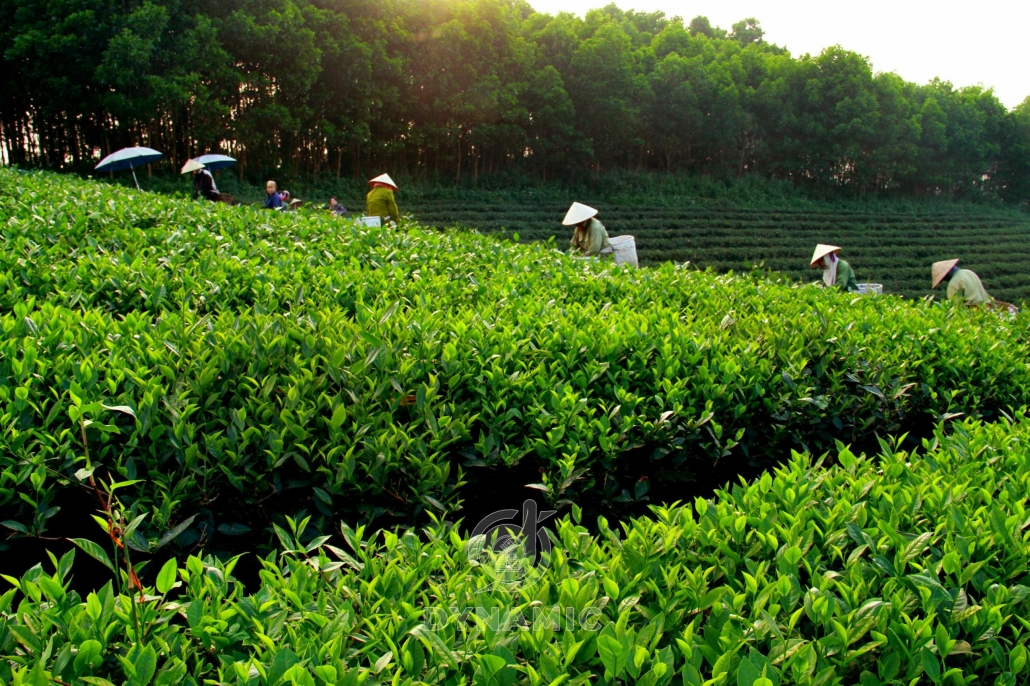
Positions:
{"x": 625, "y": 249}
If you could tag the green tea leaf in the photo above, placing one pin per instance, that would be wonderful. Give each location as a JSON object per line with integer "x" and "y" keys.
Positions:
{"x": 94, "y": 551}
{"x": 146, "y": 665}
{"x": 167, "y": 576}
{"x": 435, "y": 645}
{"x": 124, "y": 409}
{"x": 747, "y": 674}
{"x": 174, "y": 533}
{"x": 88, "y": 657}
{"x": 931, "y": 665}
{"x": 382, "y": 662}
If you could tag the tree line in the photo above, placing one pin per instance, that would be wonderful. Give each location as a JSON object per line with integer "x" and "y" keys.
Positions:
{"x": 461, "y": 88}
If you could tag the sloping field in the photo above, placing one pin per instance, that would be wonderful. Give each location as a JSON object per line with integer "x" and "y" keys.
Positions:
{"x": 269, "y": 357}
{"x": 906, "y": 569}
{"x": 176, "y": 375}
{"x": 895, "y": 250}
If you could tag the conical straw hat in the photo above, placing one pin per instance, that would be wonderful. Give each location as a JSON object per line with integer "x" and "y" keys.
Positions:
{"x": 578, "y": 213}
{"x": 191, "y": 166}
{"x": 940, "y": 270}
{"x": 384, "y": 178}
{"x": 821, "y": 251}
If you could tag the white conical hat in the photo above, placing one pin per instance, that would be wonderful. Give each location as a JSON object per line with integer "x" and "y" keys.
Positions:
{"x": 191, "y": 166}
{"x": 822, "y": 250}
{"x": 384, "y": 178}
{"x": 578, "y": 213}
{"x": 940, "y": 270}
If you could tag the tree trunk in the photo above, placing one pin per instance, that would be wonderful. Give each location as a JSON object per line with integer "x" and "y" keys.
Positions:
{"x": 457, "y": 178}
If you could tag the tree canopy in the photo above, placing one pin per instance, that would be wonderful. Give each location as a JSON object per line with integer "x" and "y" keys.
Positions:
{"x": 465, "y": 87}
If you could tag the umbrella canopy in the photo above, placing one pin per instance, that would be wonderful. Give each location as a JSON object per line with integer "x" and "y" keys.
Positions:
{"x": 128, "y": 158}
{"x": 215, "y": 162}
{"x": 191, "y": 166}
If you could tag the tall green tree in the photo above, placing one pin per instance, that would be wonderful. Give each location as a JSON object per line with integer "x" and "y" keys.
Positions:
{"x": 456, "y": 88}
{"x": 557, "y": 145}
{"x": 1014, "y": 170}
{"x": 608, "y": 93}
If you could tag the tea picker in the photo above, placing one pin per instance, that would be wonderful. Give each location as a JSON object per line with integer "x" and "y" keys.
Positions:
{"x": 380, "y": 201}
{"x": 964, "y": 284}
{"x": 203, "y": 183}
{"x": 214, "y": 162}
{"x": 836, "y": 272}
{"x": 589, "y": 238}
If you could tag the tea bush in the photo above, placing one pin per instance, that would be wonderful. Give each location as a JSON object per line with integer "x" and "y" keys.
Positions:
{"x": 902, "y": 569}
{"x": 891, "y": 246}
{"x": 262, "y": 364}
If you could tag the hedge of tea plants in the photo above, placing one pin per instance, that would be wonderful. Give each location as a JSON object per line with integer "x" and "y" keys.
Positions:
{"x": 236, "y": 365}
{"x": 893, "y": 248}
{"x": 901, "y": 569}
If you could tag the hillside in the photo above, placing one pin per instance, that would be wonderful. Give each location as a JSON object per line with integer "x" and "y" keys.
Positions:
{"x": 401, "y": 370}
{"x": 895, "y": 248}
{"x": 724, "y": 226}
{"x": 324, "y": 412}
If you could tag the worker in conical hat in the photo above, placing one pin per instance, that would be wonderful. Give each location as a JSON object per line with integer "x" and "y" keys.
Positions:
{"x": 589, "y": 238}
{"x": 836, "y": 272}
{"x": 962, "y": 283}
{"x": 203, "y": 182}
{"x": 380, "y": 201}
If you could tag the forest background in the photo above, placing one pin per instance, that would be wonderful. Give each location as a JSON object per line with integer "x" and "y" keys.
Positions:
{"x": 457, "y": 90}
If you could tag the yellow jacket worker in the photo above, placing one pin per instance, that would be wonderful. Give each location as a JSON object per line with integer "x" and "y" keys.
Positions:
{"x": 380, "y": 202}
{"x": 962, "y": 283}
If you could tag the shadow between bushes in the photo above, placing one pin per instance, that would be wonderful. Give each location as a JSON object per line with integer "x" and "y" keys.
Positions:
{"x": 489, "y": 490}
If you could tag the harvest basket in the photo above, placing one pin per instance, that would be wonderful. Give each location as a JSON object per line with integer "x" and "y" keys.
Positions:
{"x": 870, "y": 288}
{"x": 370, "y": 221}
{"x": 625, "y": 250}
{"x": 227, "y": 198}
{"x": 1007, "y": 308}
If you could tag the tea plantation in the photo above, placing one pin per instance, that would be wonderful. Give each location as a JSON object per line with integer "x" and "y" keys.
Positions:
{"x": 330, "y": 401}
{"x": 893, "y": 248}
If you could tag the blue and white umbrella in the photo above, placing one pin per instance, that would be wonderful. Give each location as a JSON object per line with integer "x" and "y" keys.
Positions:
{"x": 215, "y": 162}
{"x": 128, "y": 158}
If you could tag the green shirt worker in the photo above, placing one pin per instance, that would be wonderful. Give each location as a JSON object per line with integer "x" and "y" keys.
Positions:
{"x": 380, "y": 202}
{"x": 589, "y": 238}
{"x": 962, "y": 283}
{"x": 836, "y": 272}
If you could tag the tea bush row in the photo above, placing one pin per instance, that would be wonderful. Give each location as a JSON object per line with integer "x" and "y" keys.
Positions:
{"x": 699, "y": 236}
{"x": 901, "y": 569}
{"x": 266, "y": 363}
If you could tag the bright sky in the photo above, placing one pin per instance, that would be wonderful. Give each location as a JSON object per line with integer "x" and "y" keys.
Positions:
{"x": 967, "y": 43}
